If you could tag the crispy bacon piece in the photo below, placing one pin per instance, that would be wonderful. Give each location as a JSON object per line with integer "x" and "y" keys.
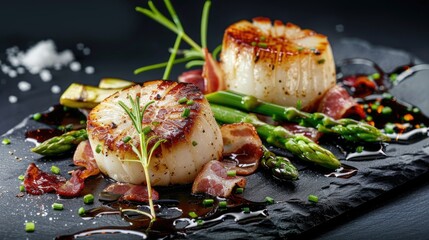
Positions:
{"x": 337, "y": 103}
{"x": 83, "y": 156}
{"x": 213, "y": 180}
{"x": 131, "y": 192}
{"x": 212, "y": 74}
{"x": 362, "y": 85}
{"x": 242, "y": 147}
{"x": 37, "y": 182}
{"x": 194, "y": 77}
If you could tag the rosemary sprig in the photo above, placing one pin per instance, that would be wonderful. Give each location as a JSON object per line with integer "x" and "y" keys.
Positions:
{"x": 195, "y": 55}
{"x": 144, "y": 153}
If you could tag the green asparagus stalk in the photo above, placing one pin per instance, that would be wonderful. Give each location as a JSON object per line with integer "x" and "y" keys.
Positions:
{"x": 280, "y": 167}
{"x": 61, "y": 144}
{"x": 350, "y": 129}
{"x": 298, "y": 145}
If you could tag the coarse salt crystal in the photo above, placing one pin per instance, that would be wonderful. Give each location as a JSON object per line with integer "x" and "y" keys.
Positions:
{"x": 24, "y": 86}
{"x": 13, "y": 99}
{"x": 55, "y": 89}
{"x": 75, "y": 66}
{"x": 20, "y": 70}
{"x": 45, "y": 75}
{"x": 89, "y": 70}
{"x": 12, "y": 73}
{"x": 86, "y": 51}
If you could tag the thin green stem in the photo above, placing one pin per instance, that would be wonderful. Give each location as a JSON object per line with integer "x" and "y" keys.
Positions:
{"x": 173, "y": 54}
{"x": 161, "y": 65}
{"x": 204, "y": 23}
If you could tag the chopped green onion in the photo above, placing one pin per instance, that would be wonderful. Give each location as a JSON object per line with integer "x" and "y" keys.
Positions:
{"x": 387, "y": 96}
{"x": 386, "y": 110}
{"x": 262, "y": 38}
{"x": 126, "y": 139}
{"x": 182, "y": 100}
{"x": 416, "y": 110}
{"x": 30, "y": 227}
{"x": 208, "y": 202}
{"x": 269, "y": 200}
{"x": 231, "y": 173}
{"x": 146, "y": 130}
{"x": 239, "y": 190}
{"x": 375, "y": 76}
{"x": 365, "y": 106}
{"x": 5, "y": 141}
{"x": 81, "y": 211}
{"x": 393, "y": 77}
{"x": 69, "y": 127}
{"x": 200, "y": 222}
{"x": 375, "y": 105}
{"x": 98, "y": 148}
{"x": 57, "y": 206}
{"x": 55, "y": 170}
{"x": 253, "y": 43}
{"x": 193, "y": 214}
{"x": 156, "y": 123}
{"x": 21, "y": 177}
{"x": 194, "y": 143}
{"x": 313, "y": 198}
{"x": 21, "y": 188}
{"x": 368, "y": 118}
{"x": 82, "y": 122}
{"x": 299, "y": 104}
{"x": 359, "y": 149}
{"x": 246, "y": 210}
{"x": 389, "y": 128}
{"x": 88, "y": 199}
{"x": 186, "y": 112}
{"x": 223, "y": 204}
{"x": 321, "y": 61}
{"x": 190, "y": 102}
{"x": 37, "y": 116}
{"x": 262, "y": 45}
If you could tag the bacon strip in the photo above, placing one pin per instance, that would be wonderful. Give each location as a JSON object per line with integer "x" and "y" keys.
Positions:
{"x": 84, "y": 157}
{"x": 242, "y": 147}
{"x": 131, "y": 192}
{"x": 213, "y": 180}
{"x": 37, "y": 182}
{"x": 337, "y": 103}
{"x": 194, "y": 77}
{"x": 212, "y": 73}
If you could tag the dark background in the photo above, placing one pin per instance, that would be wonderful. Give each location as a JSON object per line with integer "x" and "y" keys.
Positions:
{"x": 121, "y": 40}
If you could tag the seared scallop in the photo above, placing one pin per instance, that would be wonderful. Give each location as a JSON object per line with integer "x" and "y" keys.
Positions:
{"x": 279, "y": 63}
{"x": 191, "y": 140}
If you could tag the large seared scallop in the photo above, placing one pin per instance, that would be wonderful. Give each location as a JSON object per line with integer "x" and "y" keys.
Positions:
{"x": 191, "y": 140}
{"x": 278, "y": 63}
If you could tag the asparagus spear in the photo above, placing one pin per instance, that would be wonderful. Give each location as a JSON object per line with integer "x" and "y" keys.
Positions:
{"x": 280, "y": 167}
{"x": 59, "y": 145}
{"x": 298, "y": 145}
{"x": 83, "y": 96}
{"x": 350, "y": 129}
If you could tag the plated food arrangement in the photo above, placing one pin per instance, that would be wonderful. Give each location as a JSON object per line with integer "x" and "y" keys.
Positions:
{"x": 254, "y": 136}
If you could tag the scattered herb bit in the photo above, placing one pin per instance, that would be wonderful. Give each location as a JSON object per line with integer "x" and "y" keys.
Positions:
{"x": 58, "y": 206}
{"x": 126, "y": 139}
{"x": 190, "y": 102}
{"x": 155, "y": 123}
{"x": 55, "y": 170}
{"x": 321, "y": 61}
{"x": 98, "y": 148}
{"x": 387, "y": 95}
{"x": 186, "y": 112}
{"x": 375, "y": 105}
{"x": 194, "y": 143}
{"x": 208, "y": 202}
{"x": 82, "y": 122}
{"x": 386, "y": 110}
{"x": 359, "y": 149}
{"x": 200, "y": 222}
{"x": 365, "y": 106}
{"x": 313, "y": 198}
{"x": 299, "y": 104}
{"x": 231, "y": 173}
{"x": 253, "y": 43}
{"x": 30, "y": 227}
{"x": 147, "y": 130}
{"x": 81, "y": 211}
{"x": 193, "y": 214}
{"x": 269, "y": 200}
{"x": 88, "y": 199}
{"x": 262, "y": 38}
{"x": 223, "y": 204}
{"x": 37, "y": 116}
{"x": 389, "y": 128}
{"x": 182, "y": 100}
{"x": 416, "y": 110}
{"x": 368, "y": 118}
{"x": 393, "y": 77}
{"x": 246, "y": 210}
{"x": 21, "y": 177}
{"x": 5, "y": 141}
{"x": 262, "y": 45}
{"x": 375, "y": 76}
{"x": 239, "y": 190}
{"x": 21, "y": 188}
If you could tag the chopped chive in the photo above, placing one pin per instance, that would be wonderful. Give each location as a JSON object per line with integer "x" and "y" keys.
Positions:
{"x": 269, "y": 200}
{"x": 389, "y": 128}
{"x": 193, "y": 215}
{"x": 208, "y": 202}
{"x": 262, "y": 38}
{"x": 393, "y": 77}
{"x": 21, "y": 177}
{"x": 386, "y": 110}
{"x": 387, "y": 96}
{"x": 365, "y": 106}
{"x": 37, "y": 116}
{"x": 262, "y": 45}
{"x": 98, "y": 148}
{"x": 313, "y": 198}
{"x": 368, "y": 118}
{"x": 156, "y": 123}
{"x": 55, "y": 170}
{"x": 21, "y": 188}
{"x": 57, "y": 206}
{"x": 321, "y": 61}
{"x": 375, "y": 76}
{"x": 359, "y": 149}
{"x": 231, "y": 173}
{"x": 186, "y": 112}
{"x": 147, "y": 130}
{"x": 200, "y": 222}
{"x": 81, "y": 211}
{"x": 416, "y": 110}
{"x": 194, "y": 143}
{"x": 223, "y": 204}
{"x": 375, "y": 105}
{"x": 190, "y": 102}
{"x": 30, "y": 227}
{"x": 182, "y": 100}
{"x": 126, "y": 139}
{"x": 88, "y": 199}
{"x": 82, "y": 122}
{"x": 299, "y": 104}
{"x": 253, "y": 43}
{"x": 69, "y": 127}
{"x": 5, "y": 141}
{"x": 246, "y": 210}
{"x": 239, "y": 190}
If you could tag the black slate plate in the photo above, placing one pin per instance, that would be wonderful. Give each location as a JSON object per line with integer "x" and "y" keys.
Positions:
{"x": 291, "y": 217}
